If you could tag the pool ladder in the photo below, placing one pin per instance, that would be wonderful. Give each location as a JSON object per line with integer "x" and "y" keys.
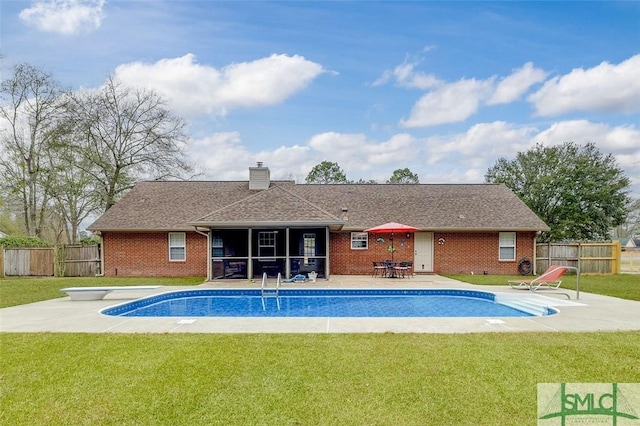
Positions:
{"x": 266, "y": 291}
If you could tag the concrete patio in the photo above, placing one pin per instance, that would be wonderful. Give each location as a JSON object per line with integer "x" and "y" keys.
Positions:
{"x": 590, "y": 313}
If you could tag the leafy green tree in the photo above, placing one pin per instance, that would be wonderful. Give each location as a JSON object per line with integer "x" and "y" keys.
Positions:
{"x": 88, "y": 239}
{"x": 579, "y": 192}
{"x": 326, "y": 172}
{"x": 403, "y": 176}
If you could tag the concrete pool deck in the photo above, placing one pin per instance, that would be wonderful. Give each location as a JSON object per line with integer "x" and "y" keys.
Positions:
{"x": 590, "y": 313}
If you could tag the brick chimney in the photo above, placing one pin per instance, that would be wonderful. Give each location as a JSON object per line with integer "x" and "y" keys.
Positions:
{"x": 259, "y": 177}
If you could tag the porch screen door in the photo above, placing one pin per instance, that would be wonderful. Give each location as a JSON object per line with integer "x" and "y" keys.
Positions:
{"x": 309, "y": 242}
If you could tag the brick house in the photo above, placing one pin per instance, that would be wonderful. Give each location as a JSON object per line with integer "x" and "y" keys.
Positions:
{"x": 240, "y": 229}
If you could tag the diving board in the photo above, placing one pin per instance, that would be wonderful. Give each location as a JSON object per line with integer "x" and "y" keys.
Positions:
{"x": 98, "y": 293}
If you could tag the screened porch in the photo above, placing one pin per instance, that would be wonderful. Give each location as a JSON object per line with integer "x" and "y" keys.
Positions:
{"x": 248, "y": 253}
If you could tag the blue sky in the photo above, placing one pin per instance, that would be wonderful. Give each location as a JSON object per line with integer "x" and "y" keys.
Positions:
{"x": 443, "y": 88}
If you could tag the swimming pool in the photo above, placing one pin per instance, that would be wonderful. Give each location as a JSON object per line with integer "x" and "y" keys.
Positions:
{"x": 322, "y": 303}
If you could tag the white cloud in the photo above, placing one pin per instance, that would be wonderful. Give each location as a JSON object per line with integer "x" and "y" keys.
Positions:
{"x": 480, "y": 144}
{"x": 219, "y": 156}
{"x": 471, "y": 153}
{"x": 405, "y": 76}
{"x": 457, "y": 101}
{"x": 616, "y": 139}
{"x": 511, "y": 88}
{"x": 603, "y": 88}
{"x": 464, "y": 157}
{"x": 193, "y": 89}
{"x": 449, "y": 103}
{"x": 621, "y": 141}
{"x": 355, "y": 152}
{"x": 223, "y": 156}
{"x": 64, "y": 16}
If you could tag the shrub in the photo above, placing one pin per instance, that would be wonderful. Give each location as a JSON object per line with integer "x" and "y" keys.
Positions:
{"x": 16, "y": 242}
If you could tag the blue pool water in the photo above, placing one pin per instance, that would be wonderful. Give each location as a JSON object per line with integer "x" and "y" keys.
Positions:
{"x": 318, "y": 303}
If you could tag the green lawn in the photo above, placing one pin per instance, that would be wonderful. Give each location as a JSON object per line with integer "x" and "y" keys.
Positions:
{"x": 624, "y": 286}
{"x": 20, "y": 291}
{"x": 285, "y": 379}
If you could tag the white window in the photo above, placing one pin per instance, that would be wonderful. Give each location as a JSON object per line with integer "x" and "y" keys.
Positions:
{"x": 267, "y": 244}
{"x": 217, "y": 246}
{"x": 309, "y": 248}
{"x": 359, "y": 241}
{"x": 177, "y": 246}
{"x": 507, "y": 246}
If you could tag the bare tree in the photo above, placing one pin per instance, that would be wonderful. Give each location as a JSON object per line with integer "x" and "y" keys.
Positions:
{"x": 32, "y": 108}
{"x": 126, "y": 134}
{"x": 74, "y": 192}
{"x": 631, "y": 227}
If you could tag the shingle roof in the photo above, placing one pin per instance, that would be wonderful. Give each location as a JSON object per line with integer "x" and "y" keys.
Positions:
{"x": 181, "y": 205}
{"x": 275, "y": 206}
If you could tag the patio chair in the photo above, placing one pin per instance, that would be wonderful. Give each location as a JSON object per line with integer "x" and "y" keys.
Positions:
{"x": 401, "y": 269}
{"x": 551, "y": 279}
{"x": 379, "y": 268}
{"x": 410, "y": 269}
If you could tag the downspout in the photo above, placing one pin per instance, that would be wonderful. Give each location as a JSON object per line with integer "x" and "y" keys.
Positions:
{"x": 250, "y": 259}
{"x": 101, "y": 274}
{"x": 327, "y": 266}
{"x": 287, "y": 262}
{"x": 535, "y": 252}
{"x": 208, "y": 235}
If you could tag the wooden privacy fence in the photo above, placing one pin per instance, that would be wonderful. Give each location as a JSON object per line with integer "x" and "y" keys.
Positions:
{"x": 37, "y": 262}
{"x": 630, "y": 261}
{"x": 78, "y": 261}
{"x": 61, "y": 261}
{"x": 589, "y": 258}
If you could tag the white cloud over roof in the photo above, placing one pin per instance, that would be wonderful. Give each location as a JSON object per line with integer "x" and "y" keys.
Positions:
{"x": 603, "y": 88}
{"x": 455, "y": 158}
{"x": 481, "y": 143}
{"x": 512, "y": 87}
{"x": 194, "y": 89}
{"x": 449, "y": 103}
{"x": 64, "y": 16}
{"x": 358, "y": 153}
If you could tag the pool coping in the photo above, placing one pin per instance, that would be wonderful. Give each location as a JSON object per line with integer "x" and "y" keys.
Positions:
{"x": 590, "y": 313}
{"x": 273, "y": 300}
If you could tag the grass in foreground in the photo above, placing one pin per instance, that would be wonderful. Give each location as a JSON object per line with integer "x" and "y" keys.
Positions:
{"x": 20, "y": 291}
{"x": 381, "y": 379}
{"x": 624, "y": 286}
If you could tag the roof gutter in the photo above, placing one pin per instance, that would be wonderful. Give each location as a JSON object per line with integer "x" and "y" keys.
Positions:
{"x": 460, "y": 229}
{"x": 267, "y": 224}
{"x": 206, "y": 234}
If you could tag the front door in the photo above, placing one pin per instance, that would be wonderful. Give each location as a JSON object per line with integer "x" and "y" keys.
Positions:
{"x": 423, "y": 252}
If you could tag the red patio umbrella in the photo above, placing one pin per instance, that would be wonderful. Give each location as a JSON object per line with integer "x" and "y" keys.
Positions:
{"x": 391, "y": 227}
